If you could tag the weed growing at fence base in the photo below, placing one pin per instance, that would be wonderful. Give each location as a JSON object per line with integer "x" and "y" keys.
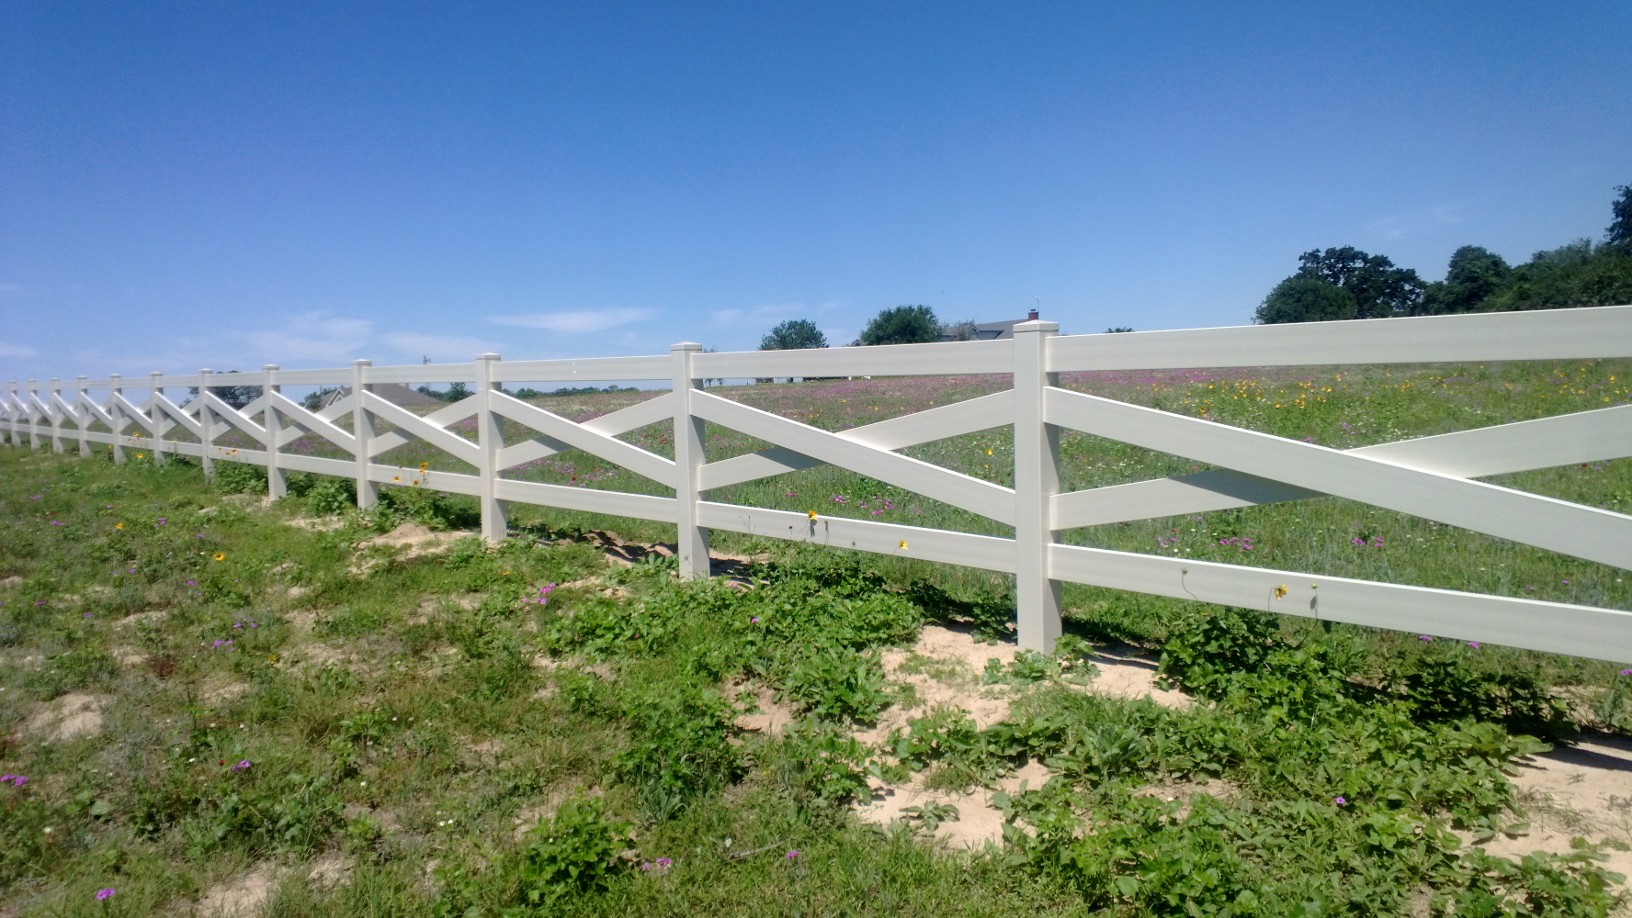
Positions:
{"x": 194, "y": 689}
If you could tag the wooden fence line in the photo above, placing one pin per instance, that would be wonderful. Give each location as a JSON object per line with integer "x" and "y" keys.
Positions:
{"x": 1430, "y": 477}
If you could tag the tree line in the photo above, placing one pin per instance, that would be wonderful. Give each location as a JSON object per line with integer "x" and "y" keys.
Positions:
{"x": 1347, "y": 283}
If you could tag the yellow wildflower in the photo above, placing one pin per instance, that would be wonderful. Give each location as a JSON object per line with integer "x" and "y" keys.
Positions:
{"x": 220, "y": 556}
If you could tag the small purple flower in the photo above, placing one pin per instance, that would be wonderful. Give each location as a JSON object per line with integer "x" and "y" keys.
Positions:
{"x": 1626, "y": 672}
{"x": 88, "y": 615}
{"x": 242, "y": 765}
{"x": 1566, "y": 582}
{"x": 1474, "y": 644}
{"x": 162, "y": 521}
{"x": 791, "y": 856}
{"x": 106, "y": 893}
{"x": 192, "y": 582}
{"x": 1426, "y": 638}
{"x": 13, "y": 780}
{"x": 754, "y": 620}
{"x": 1340, "y": 801}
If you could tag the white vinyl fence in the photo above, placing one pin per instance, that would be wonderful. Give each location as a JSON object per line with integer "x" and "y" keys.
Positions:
{"x": 1432, "y": 477}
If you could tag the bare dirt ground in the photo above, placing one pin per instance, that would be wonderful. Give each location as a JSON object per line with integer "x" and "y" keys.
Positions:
{"x": 1580, "y": 791}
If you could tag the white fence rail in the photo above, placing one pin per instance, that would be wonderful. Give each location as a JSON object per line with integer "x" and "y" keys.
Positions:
{"x": 1431, "y": 477}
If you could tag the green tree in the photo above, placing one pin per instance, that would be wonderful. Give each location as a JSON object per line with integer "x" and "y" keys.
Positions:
{"x": 1619, "y": 233}
{"x": 1475, "y": 275}
{"x": 1379, "y": 289}
{"x": 902, "y": 325}
{"x": 960, "y": 331}
{"x": 236, "y": 396}
{"x": 793, "y": 335}
{"x": 1305, "y": 299}
{"x": 1578, "y": 274}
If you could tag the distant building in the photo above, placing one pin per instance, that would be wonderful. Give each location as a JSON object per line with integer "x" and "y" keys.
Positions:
{"x": 395, "y": 393}
{"x": 987, "y": 331}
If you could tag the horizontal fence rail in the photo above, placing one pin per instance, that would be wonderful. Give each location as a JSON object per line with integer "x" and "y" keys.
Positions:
{"x": 1429, "y": 477}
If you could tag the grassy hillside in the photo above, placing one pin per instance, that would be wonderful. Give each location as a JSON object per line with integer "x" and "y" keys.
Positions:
{"x": 209, "y": 702}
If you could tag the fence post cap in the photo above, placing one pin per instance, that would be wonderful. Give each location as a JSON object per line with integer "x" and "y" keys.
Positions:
{"x": 362, "y": 362}
{"x": 686, "y": 346}
{"x": 1036, "y": 325}
{"x": 489, "y": 356}
{"x": 270, "y": 366}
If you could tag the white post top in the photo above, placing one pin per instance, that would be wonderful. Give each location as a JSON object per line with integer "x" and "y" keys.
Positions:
{"x": 1036, "y": 325}
{"x": 488, "y": 356}
{"x": 686, "y": 346}
{"x": 362, "y": 362}
{"x": 270, "y": 366}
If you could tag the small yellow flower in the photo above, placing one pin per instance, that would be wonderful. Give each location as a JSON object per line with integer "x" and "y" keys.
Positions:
{"x": 1281, "y": 591}
{"x": 396, "y": 477}
{"x": 118, "y": 525}
{"x": 811, "y": 514}
{"x": 903, "y": 544}
{"x": 424, "y": 465}
{"x": 988, "y": 452}
{"x": 504, "y": 573}
{"x": 220, "y": 556}
{"x": 141, "y": 455}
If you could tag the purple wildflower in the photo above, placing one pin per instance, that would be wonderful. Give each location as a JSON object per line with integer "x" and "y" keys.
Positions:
{"x": 106, "y": 893}
{"x": 1340, "y": 801}
{"x": 242, "y": 765}
{"x": 791, "y": 856}
{"x": 1426, "y": 638}
{"x": 1474, "y": 644}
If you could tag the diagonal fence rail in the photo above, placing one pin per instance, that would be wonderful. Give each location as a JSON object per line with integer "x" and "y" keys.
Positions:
{"x": 1430, "y": 477}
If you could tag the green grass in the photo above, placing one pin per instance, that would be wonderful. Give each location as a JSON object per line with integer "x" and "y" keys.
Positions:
{"x": 461, "y": 748}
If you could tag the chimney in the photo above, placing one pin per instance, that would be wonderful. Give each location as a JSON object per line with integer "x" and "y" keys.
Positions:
{"x": 1031, "y": 316}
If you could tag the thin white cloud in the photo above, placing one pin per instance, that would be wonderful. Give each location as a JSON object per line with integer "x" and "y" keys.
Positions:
{"x": 440, "y": 348}
{"x": 575, "y": 321}
{"x": 7, "y": 349}
{"x": 309, "y": 336}
{"x": 1415, "y": 221}
{"x": 768, "y": 314}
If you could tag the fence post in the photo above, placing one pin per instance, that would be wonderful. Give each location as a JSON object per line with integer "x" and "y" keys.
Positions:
{"x": 277, "y": 483}
{"x": 1036, "y": 481}
{"x": 33, "y": 421}
{"x": 11, "y": 414}
{"x": 362, "y": 427}
{"x": 206, "y": 425}
{"x": 116, "y": 411}
{"x": 157, "y": 416}
{"x": 490, "y": 439}
{"x": 688, "y": 459}
{"x": 82, "y": 415}
{"x": 53, "y": 411}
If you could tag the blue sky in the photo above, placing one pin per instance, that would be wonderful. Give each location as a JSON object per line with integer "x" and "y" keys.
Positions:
{"x": 227, "y": 185}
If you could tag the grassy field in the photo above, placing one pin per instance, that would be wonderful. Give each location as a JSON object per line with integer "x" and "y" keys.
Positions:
{"x": 206, "y": 702}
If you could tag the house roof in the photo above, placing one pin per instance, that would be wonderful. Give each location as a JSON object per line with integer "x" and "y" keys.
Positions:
{"x": 395, "y": 393}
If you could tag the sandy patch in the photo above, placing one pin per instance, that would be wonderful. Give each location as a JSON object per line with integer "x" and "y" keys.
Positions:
{"x": 241, "y": 896}
{"x": 943, "y": 669}
{"x": 1125, "y": 673}
{"x": 764, "y": 713}
{"x": 219, "y": 691}
{"x": 977, "y": 821}
{"x": 150, "y": 617}
{"x": 329, "y": 871}
{"x": 1582, "y": 790}
{"x": 317, "y": 524}
{"x": 68, "y": 717}
{"x": 411, "y": 540}
{"x": 301, "y": 622}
